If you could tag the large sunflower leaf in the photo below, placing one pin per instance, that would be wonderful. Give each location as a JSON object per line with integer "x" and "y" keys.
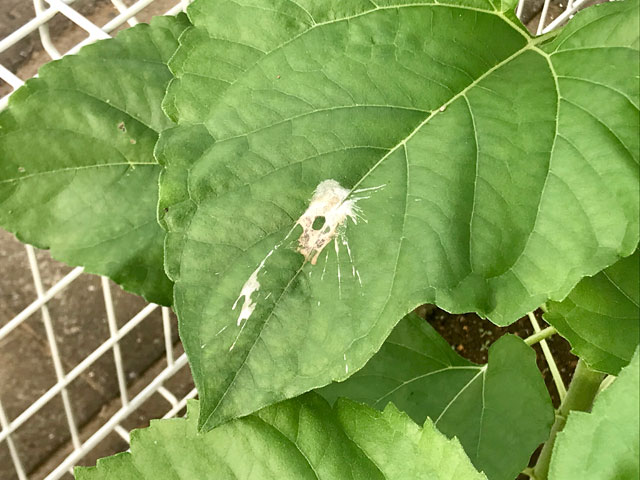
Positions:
{"x": 298, "y": 439}
{"x": 419, "y": 372}
{"x": 77, "y": 172}
{"x": 499, "y": 170}
{"x": 601, "y": 316}
{"x": 603, "y": 444}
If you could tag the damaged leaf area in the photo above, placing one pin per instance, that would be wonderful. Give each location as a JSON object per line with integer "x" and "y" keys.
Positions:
{"x": 330, "y": 205}
{"x": 485, "y": 184}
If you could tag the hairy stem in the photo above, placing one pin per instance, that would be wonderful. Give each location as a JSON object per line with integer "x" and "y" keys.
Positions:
{"x": 582, "y": 391}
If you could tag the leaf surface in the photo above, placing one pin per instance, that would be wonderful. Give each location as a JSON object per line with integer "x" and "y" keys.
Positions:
{"x": 500, "y": 412}
{"x": 298, "y": 439}
{"x": 493, "y": 171}
{"x": 603, "y": 444}
{"x": 601, "y": 316}
{"x": 77, "y": 172}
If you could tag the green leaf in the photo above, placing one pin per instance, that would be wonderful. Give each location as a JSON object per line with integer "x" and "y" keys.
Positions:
{"x": 77, "y": 173}
{"x": 601, "y": 316}
{"x": 483, "y": 190}
{"x": 298, "y": 439}
{"x": 603, "y": 444}
{"x": 500, "y": 412}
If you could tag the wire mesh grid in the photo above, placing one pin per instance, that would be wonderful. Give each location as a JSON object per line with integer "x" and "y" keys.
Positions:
{"x": 540, "y": 16}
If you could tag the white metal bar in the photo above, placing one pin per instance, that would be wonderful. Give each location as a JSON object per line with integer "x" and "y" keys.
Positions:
{"x": 122, "y": 432}
{"x": 575, "y": 5}
{"x": 543, "y": 17}
{"x": 37, "y": 304}
{"x": 13, "y": 451}
{"x": 181, "y": 404}
{"x": 43, "y": 30}
{"x": 80, "y": 20}
{"x": 519, "y": 9}
{"x": 121, "y": 7}
{"x": 120, "y": 415}
{"x": 49, "y": 13}
{"x": 118, "y": 21}
{"x": 124, "y": 16}
{"x": 9, "y": 77}
{"x": 53, "y": 346}
{"x": 168, "y": 396}
{"x": 168, "y": 339}
{"x": 555, "y": 373}
{"x": 182, "y": 6}
{"x": 31, "y": 26}
{"x": 77, "y": 370}
{"x": 113, "y": 332}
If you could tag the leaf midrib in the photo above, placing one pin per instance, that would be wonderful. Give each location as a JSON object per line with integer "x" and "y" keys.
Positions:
{"x": 75, "y": 169}
{"x": 425, "y": 375}
{"x": 286, "y": 439}
{"x": 591, "y": 342}
{"x": 527, "y": 47}
{"x": 619, "y": 288}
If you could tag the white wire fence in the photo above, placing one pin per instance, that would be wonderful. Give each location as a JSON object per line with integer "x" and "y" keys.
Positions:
{"x": 43, "y": 12}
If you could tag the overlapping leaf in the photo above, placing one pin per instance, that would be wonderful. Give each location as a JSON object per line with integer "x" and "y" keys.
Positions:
{"x": 605, "y": 443}
{"x": 601, "y": 316}
{"x": 77, "y": 173}
{"x": 299, "y": 439}
{"x": 500, "y": 412}
{"x": 501, "y": 170}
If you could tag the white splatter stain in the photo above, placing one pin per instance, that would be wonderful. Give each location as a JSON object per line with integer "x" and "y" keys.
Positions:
{"x": 251, "y": 286}
{"x": 331, "y": 202}
{"x": 335, "y": 204}
{"x": 222, "y": 330}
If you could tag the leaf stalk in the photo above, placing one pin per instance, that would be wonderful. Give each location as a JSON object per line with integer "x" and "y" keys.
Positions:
{"x": 555, "y": 373}
{"x": 541, "y": 335}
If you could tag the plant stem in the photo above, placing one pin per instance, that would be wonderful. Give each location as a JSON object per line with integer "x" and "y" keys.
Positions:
{"x": 541, "y": 335}
{"x": 582, "y": 391}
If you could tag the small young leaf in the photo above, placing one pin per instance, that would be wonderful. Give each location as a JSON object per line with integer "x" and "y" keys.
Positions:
{"x": 298, "y": 439}
{"x": 500, "y": 412}
{"x": 601, "y": 316}
{"x": 493, "y": 170}
{"x": 77, "y": 173}
{"x": 603, "y": 444}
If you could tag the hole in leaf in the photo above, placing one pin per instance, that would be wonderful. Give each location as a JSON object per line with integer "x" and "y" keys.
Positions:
{"x": 318, "y": 223}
